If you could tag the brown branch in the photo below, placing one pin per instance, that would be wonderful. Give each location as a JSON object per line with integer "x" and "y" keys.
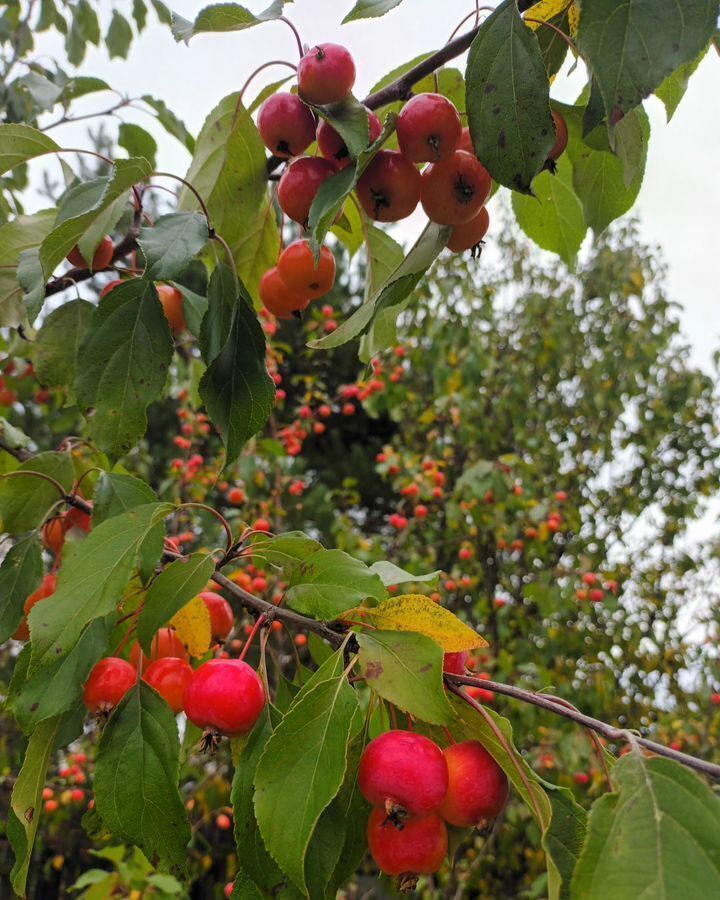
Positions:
{"x": 551, "y": 704}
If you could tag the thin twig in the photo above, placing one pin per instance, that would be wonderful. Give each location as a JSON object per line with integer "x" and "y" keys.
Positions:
{"x": 608, "y": 731}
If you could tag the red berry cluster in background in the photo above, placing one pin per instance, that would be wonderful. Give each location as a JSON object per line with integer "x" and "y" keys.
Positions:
{"x": 415, "y": 788}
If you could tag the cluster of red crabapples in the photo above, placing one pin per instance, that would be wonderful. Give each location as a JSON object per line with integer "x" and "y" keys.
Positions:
{"x": 222, "y": 696}
{"x": 415, "y": 788}
{"x": 452, "y": 188}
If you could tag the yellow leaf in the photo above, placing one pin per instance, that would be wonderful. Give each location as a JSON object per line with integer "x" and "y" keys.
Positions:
{"x": 192, "y": 624}
{"x": 418, "y": 613}
{"x": 546, "y": 9}
{"x": 574, "y": 20}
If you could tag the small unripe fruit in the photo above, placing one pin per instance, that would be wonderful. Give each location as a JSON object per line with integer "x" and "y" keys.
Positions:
{"x": 109, "y": 286}
{"x": 589, "y": 578}
{"x": 46, "y": 589}
{"x": 389, "y": 189}
{"x": 165, "y": 643}
{"x": 170, "y": 677}
{"x": 50, "y": 806}
{"x": 715, "y": 699}
{"x": 561, "y": 136}
{"x": 468, "y": 235}
{"x": 277, "y": 297}
{"x": 171, "y": 301}
{"x": 101, "y": 258}
{"x": 221, "y": 614}
{"x": 236, "y": 496}
{"x": 299, "y": 185}
{"x": 286, "y": 125}
{"x": 223, "y": 822}
{"x": 581, "y": 778}
{"x": 298, "y": 270}
{"x": 455, "y": 191}
{"x": 333, "y": 147}
{"x": 477, "y": 786}
{"x": 428, "y": 128}
{"x": 108, "y": 683}
{"x": 326, "y": 74}
{"x": 419, "y": 848}
{"x": 454, "y": 663}
{"x": 225, "y": 695}
{"x": 53, "y": 534}
{"x": 405, "y": 769}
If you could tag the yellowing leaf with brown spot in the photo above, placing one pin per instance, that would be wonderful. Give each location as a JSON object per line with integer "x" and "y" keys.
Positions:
{"x": 574, "y": 20}
{"x": 192, "y": 624}
{"x": 418, "y": 613}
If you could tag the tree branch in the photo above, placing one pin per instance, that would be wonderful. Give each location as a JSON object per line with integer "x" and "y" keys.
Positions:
{"x": 551, "y": 704}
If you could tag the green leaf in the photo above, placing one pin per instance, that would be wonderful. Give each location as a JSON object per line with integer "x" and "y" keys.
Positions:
{"x": 229, "y": 172}
{"x": 169, "y": 121}
{"x": 26, "y": 500}
{"x": 350, "y": 119}
{"x": 302, "y": 769}
{"x": 355, "y": 810}
{"x": 257, "y": 864}
{"x": 126, "y": 354}
{"x": 162, "y": 12}
{"x": 139, "y": 11}
{"x": 673, "y": 88}
{"x": 554, "y": 217}
{"x": 174, "y": 587}
{"x": 43, "y": 93}
{"x": 599, "y": 176}
{"x": 56, "y": 688}
{"x": 562, "y": 841}
{"x": 393, "y": 293}
{"x": 19, "y": 143}
{"x": 58, "y": 343}
{"x": 31, "y": 279}
{"x": 223, "y": 17}
{"x": 370, "y": 9}
{"x": 137, "y": 141}
{"x": 407, "y": 670}
{"x": 16, "y": 237}
{"x": 81, "y": 86}
{"x": 507, "y": 94}
{"x": 136, "y": 775}
{"x": 384, "y": 255}
{"x": 20, "y": 575}
{"x": 324, "y": 849}
{"x": 26, "y": 800}
{"x": 633, "y": 46}
{"x": 116, "y": 494}
{"x": 389, "y": 574}
{"x": 119, "y": 36}
{"x": 172, "y": 242}
{"x": 61, "y": 240}
{"x": 329, "y": 582}
{"x": 236, "y": 388}
{"x": 655, "y": 835}
{"x": 91, "y": 582}
{"x": 284, "y": 550}
{"x": 194, "y": 308}
{"x": 221, "y": 303}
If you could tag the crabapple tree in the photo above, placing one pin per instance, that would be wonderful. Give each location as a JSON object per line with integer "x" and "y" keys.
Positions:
{"x": 188, "y": 440}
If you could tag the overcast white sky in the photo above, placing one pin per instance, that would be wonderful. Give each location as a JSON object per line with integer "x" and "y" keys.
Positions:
{"x": 680, "y": 196}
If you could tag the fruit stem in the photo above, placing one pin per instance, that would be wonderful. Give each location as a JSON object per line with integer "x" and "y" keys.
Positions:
{"x": 228, "y": 252}
{"x": 295, "y": 32}
{"x": 506, "y": 745}
{"x": 262, "y": 619}
{"x": 191, "y": 187}
{"x": 272, "y": 62}
{"x": 474, "y": 14}
{"x": 557, "y": 31}
{"x": 220, "y": 517}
